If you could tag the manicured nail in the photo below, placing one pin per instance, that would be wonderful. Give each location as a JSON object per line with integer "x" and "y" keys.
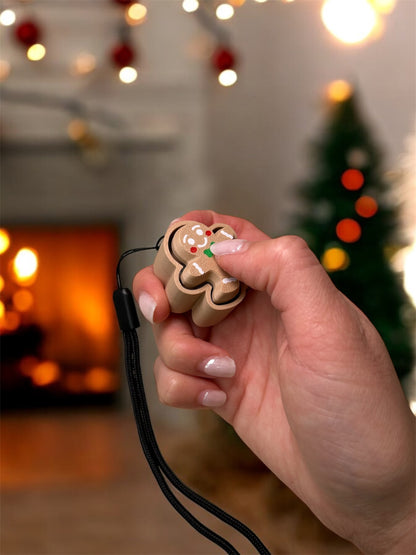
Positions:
{"x": 147, "y": 305}
{"x": 231, "y": 246}
{"x": 212, "y": 398}
{"x": 218, "y": 367}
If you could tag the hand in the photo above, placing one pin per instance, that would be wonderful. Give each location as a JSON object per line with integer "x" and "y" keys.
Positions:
{"x": 304, "y": 379}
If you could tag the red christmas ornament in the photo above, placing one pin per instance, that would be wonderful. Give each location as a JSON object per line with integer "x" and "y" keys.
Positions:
{"x": 122, "y": 55}
{"x": 123, "y": 2}
{"x": 223, "y": 59}
{"x": 28, "y": 33}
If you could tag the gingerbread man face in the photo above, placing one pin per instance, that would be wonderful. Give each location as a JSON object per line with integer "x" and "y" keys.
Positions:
{"x": 193, "y": 241}
{"x": 193, "y": 280}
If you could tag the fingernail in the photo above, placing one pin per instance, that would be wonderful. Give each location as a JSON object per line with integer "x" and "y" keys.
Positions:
{"x": 219, "y": 367}
{"x": 231, "y": 246}
{"x": 212, "y": 398}
{"x": 147, "y": 305}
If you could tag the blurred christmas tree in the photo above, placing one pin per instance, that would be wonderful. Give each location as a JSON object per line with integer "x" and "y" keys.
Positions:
{"x": 352, "y": 228}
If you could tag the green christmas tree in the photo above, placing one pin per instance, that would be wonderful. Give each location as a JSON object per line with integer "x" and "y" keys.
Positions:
{"x": 350, "y": 225}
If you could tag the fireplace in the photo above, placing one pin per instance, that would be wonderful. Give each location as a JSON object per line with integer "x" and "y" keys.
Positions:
{"x": 59, "y": 338}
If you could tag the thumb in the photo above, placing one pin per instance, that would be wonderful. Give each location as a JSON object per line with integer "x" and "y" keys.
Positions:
{"x": 287, "y": 270}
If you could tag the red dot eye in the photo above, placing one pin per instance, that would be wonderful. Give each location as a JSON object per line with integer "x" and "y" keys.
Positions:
{"x": 193, "y": 250}
{"x": 208, "y": 233}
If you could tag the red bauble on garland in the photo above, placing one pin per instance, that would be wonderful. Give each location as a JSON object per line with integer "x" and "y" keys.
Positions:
{"x": 122, "y": 55}
{"x": 27, "y": 33}
{"x": 223, "y": 59}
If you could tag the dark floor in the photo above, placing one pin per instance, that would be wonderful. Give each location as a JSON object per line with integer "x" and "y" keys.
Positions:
{"x": 76, "y": 483}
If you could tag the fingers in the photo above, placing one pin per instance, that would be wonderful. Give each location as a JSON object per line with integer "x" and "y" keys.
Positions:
{"x": 298, "y": 286}
{"x": 181, "y": 351}
{"x": 150, "y": 295}
{"x": 187, "y": 392}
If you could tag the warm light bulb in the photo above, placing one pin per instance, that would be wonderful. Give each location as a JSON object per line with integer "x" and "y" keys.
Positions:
{"x": 335, "y": 259}
{"x": 136, "y": 14}
{"x": 339, "y": 91}
{"x": 190, "y": 6}
{"x": 227, "y": 78}
{"x": 4, "y": 241}
{"x": 224, "y": 12}
{"x": 350, "y": 21}
{"x": 83, "y": 64}
{"x": 7, "y": 17}
{"x": 25, "y": 264}
{"x": 127, "y": 74}
{"x": 77, "y": 129}
{"x": 36, "y": 52}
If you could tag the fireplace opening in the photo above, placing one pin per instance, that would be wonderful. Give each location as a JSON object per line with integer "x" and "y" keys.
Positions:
{"x": 58, "y": 331}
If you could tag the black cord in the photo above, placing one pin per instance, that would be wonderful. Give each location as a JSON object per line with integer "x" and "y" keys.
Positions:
{"x": 128, "y": 321}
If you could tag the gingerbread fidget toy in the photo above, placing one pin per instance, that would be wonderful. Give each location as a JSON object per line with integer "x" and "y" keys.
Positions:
{"x": 191, "y": 276}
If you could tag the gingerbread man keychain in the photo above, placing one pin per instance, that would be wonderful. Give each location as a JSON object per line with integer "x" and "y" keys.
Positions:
{"x": 192, "y": 278}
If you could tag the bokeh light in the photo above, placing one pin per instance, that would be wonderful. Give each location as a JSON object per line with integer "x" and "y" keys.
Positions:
{"x": 350, "y": 21}
{"x": 25, "y": 264}
{"x": 335, "y": 259}
{"x": 366, "y": 206}
{"x": 36, "y": 52}
{"x": 4, "y": 241}
{"x": 352, "y": 179}
{"x": 227, "y": 78}
{"x": 127, "y": 75}
{"x": 339, "y": 90}
{"x": 348, "y": 230}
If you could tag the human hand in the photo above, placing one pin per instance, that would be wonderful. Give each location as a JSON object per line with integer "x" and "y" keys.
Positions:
{"x": 304, "y": 379}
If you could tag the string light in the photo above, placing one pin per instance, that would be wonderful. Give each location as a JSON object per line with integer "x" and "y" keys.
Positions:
{"x": 227, "y": 78}
{"x": 348, "y": 230}
{"x": 83, "y": 64}
{"x": 7, "y": 17}
{"x": 127, "y": 74}
{"x": 190, "y": 6}
{"x": 136, "y": 14}
{"x": 36, "y": 52}
{"x": 224, "y": 11}
{"x": 350, "y": 21}
{"x": 352, "y": 179}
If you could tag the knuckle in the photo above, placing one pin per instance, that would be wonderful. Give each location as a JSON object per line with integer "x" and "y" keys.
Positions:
{"x": 168, "y": 389}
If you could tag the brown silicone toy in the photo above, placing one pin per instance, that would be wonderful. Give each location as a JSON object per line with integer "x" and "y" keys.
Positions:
{"x": 191, "y": 276}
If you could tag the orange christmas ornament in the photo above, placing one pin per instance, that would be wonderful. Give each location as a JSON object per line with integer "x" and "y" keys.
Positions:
{"x": 366, "y": 207}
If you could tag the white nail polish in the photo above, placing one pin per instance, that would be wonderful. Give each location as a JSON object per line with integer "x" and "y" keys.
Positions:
{"x": 147, "y": 305}
{"x": 231, "y": 246}
{"x": 212, "y": 398}
{"x": 218, "y": 367}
